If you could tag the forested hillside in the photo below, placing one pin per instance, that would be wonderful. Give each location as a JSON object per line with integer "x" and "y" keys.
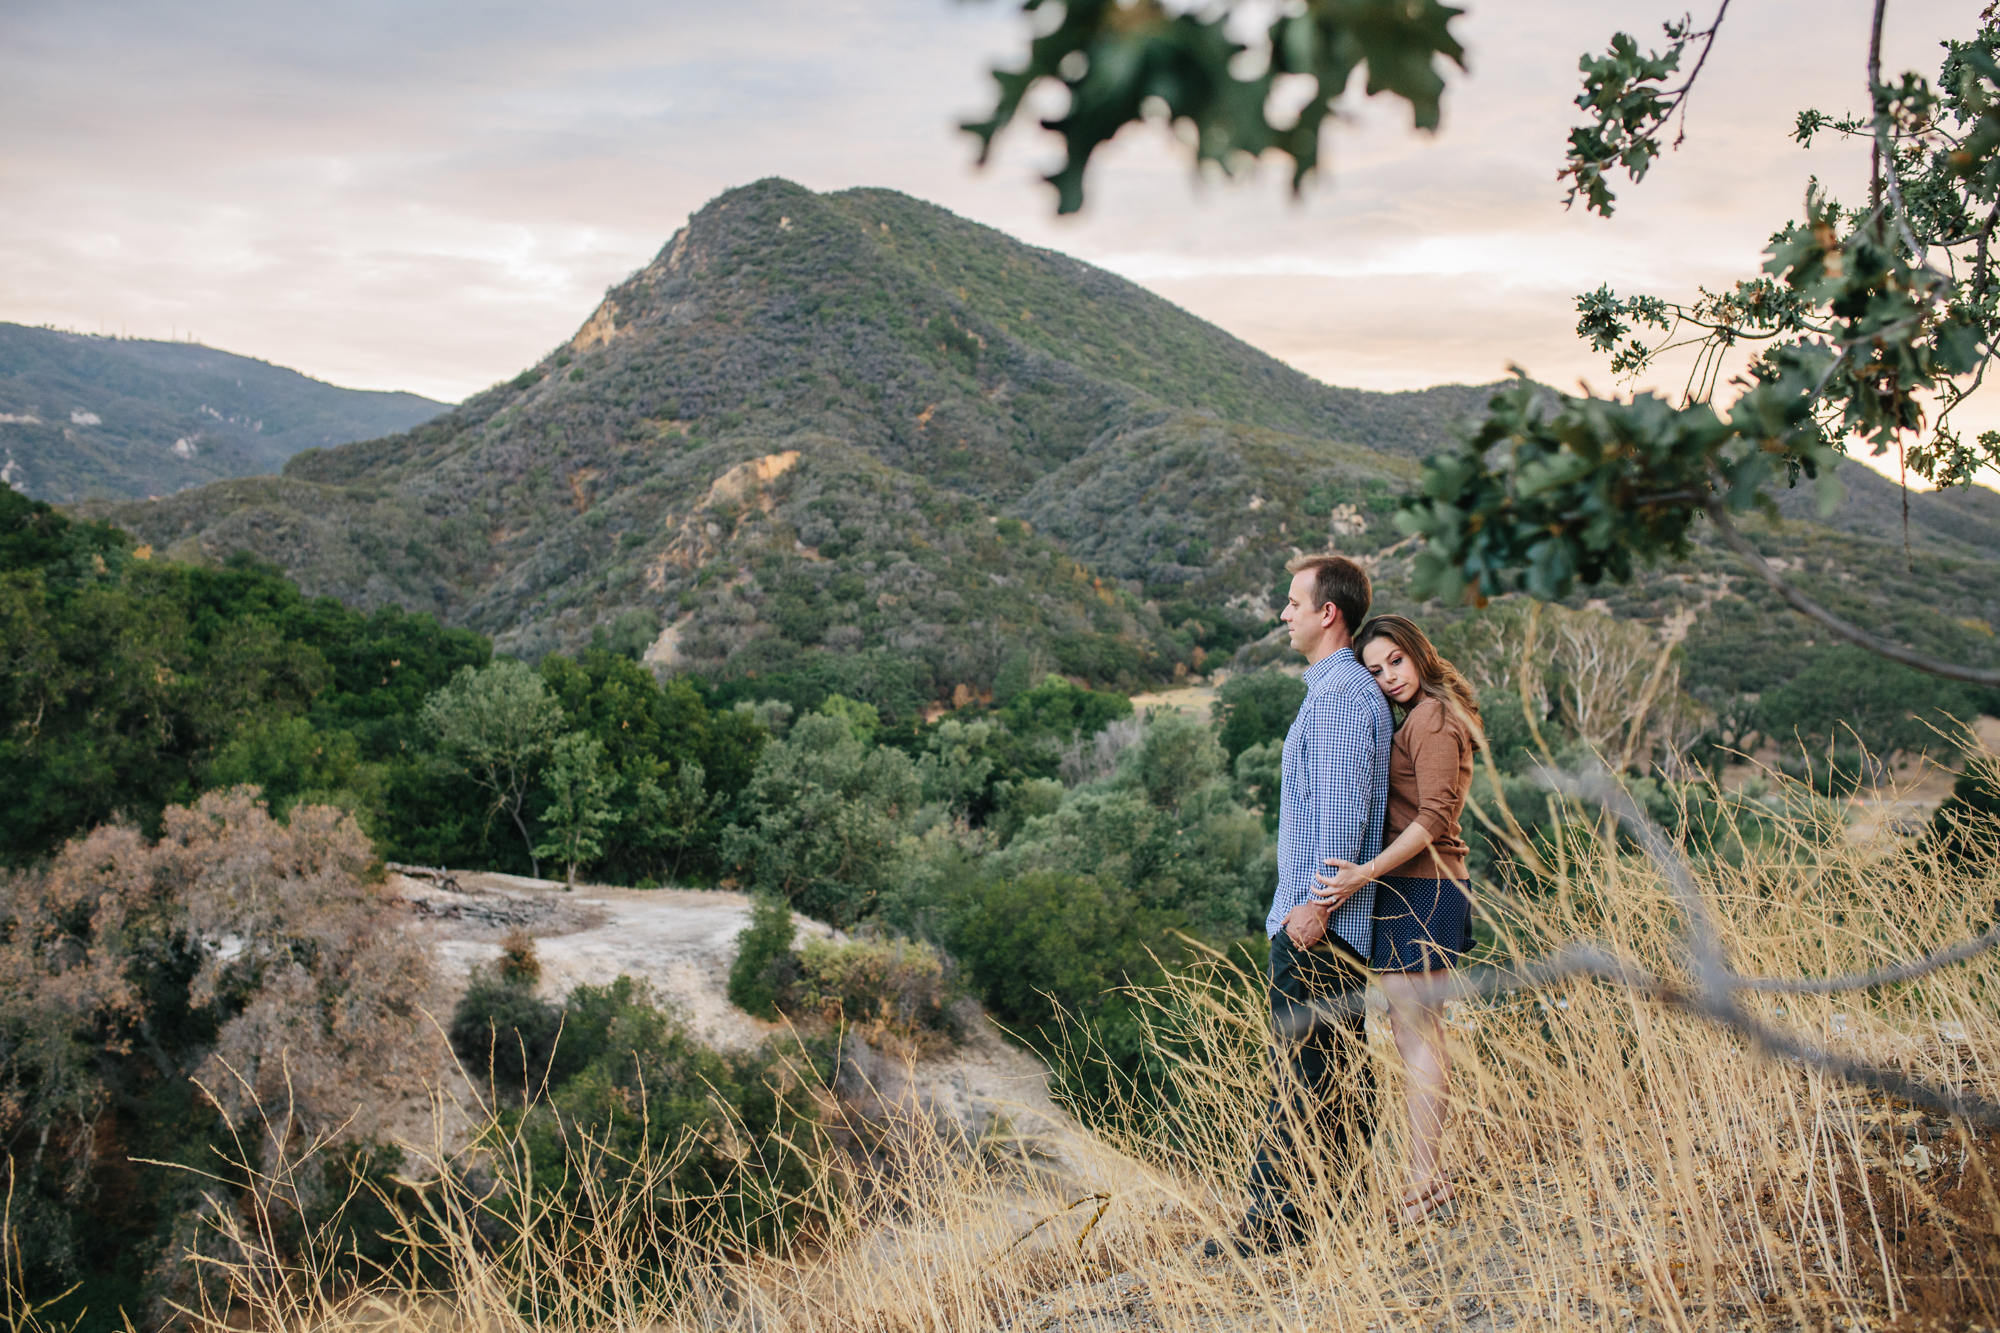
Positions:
{"x": 127, "y": 418}
{"x": 910, "y": 381}
{"x": 852, "y": 443}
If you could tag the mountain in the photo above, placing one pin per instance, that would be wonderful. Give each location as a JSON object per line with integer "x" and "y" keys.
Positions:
{"x": 852, "y": 432}
{"x": 1962, "y": 521}
{"x": 841, "y": 422}
{"x": 118, "y": 417}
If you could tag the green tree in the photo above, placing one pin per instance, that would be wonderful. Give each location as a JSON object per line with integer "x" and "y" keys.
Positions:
{"x": 1254, "y": 707}
{"x": 1872, "y": 323}
{"x": 821, "y": 818}
{"x": 674, "y": 817}
{"x": 955, "y": 765}
{"x": 292, "y": 761}
{"x": 121, "y": 677}
{"x": 1175, "y": 758}
{"x": 579, "y": 791}
{"x": 1846, "y": 695}
{"x": 1060, "y": 711}
{"x": 863, "y": 719}
{"x": 1259, "y": 773}
{"x": 1116, "y": 60}
{"x": 496, "y": 723}
{"x": 679, "y": 762}
{"x": 1165, "y": 828}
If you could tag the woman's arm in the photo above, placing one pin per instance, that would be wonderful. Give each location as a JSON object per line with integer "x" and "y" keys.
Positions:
{"x": 1351, "y": 878}
{"x": 1439, "y": 756}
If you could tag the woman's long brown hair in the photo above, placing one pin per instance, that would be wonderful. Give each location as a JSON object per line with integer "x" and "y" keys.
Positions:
{"x": 1440, "y": 680}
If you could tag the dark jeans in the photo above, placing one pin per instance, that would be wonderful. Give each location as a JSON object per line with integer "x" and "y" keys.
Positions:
{"x": 1322, "y": 1111}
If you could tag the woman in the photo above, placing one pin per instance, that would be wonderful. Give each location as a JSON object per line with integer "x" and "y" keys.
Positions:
{"x": 1423, "y": 917}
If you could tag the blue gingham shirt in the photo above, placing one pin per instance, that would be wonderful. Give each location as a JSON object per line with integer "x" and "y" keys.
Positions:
{"x": 1335, "y": 792}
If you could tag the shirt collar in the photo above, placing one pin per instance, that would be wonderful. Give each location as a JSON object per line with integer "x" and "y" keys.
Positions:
{"x": 1319, "y": 671}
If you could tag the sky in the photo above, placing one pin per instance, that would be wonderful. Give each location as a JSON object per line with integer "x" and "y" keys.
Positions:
{"x": 429, "y": 194}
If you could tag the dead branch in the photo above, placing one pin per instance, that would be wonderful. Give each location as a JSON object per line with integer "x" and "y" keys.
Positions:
{"x": 1812, "y": 610}
{"x": 1713, "y": 996}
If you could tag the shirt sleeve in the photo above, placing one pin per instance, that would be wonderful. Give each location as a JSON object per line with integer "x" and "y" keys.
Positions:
{"x": 1342, "y": 761}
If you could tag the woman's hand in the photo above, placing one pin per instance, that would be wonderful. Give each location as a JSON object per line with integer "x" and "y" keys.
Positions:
{"x": 1350, "y": 880}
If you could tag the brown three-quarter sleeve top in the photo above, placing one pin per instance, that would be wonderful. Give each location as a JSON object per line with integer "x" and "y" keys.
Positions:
{"x": 1430, "y": 770}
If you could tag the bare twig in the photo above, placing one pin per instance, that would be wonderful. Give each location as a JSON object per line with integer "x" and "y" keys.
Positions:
{"x": 1885, "y": 148}
{"x": 1718, "y": 983}
{"x": 1579, "y": 959}
{"x": 1100, "y": 1198}
{"x": 1888, "y": 976}
{"x": 1705, "y": 951}
{"x": 1680, "y": 93}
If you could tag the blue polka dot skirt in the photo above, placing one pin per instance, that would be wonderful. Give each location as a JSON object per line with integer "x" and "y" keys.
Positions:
{"x": 1420, "y": 924}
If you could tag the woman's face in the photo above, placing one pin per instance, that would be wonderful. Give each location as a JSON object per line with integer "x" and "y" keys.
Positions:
{"x": 1393, "y": 670}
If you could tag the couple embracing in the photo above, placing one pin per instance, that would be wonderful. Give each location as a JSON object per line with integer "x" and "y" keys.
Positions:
{"x": 1371, "y": 884}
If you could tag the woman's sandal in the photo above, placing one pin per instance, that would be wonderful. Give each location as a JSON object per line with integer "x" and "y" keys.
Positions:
{"x": 1435, "y": 1202}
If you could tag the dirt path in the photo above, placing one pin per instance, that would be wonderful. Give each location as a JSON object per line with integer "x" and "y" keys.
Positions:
{"x": 682, "y": 942}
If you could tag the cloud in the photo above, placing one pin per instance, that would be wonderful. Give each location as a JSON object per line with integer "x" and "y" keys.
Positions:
{"x": 428, "y": 194}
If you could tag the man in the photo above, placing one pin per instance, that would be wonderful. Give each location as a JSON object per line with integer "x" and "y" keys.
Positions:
{"x": 1334, "y": 796}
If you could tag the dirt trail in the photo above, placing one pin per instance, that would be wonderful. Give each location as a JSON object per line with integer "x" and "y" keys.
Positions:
{"x": 683, "y": 941}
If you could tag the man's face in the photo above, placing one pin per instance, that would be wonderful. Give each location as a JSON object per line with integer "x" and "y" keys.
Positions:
{"x": 1306, "y": 621}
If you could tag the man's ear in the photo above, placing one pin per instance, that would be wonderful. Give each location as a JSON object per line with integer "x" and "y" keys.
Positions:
{"x": 1329, "y": 614}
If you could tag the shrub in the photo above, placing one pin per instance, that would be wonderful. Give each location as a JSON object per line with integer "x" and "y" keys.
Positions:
{"x": 1175, "y": 758}
{"x": 1967, "y": 826}
{"x": 155, "y": 996}
{"x": 1847, "y": 695}
{"x": 897, "y": 986}
{"x": 1259, "y": 773}
{"x": 1045, "y": 940}
{"x": 1063, "y": 711}
{"x": 505, "y": 1033}
{"x": 519, "y": 962}
{"x": 639, "y": 1111}
{"x": 763, "y": 954}
{"x": 1508, "y": 737}
{"x": 822, "y": 815}
{"x": 1056, "y": 957}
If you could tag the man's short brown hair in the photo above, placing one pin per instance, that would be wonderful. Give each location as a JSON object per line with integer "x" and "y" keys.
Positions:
{"x": 1338, "y": 580}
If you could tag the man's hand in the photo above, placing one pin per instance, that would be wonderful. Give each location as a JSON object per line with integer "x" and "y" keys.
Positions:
{"x": 1306, "y": 924}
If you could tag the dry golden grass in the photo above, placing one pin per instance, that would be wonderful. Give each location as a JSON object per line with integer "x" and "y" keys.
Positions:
{"x": 1619, "y": 1165}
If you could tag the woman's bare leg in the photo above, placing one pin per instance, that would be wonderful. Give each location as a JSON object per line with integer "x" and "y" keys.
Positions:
{"x": 1417, "y": 1019}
